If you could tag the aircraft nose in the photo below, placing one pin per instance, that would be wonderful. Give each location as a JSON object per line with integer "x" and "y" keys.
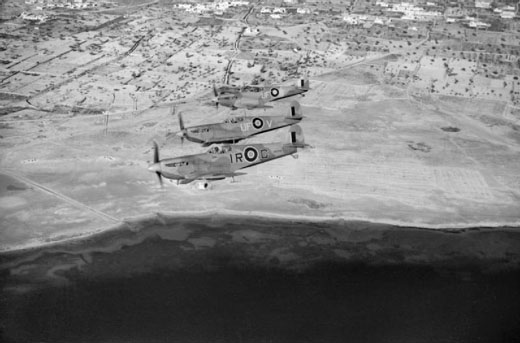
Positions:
{"x": 180, "y": 134}
{"x": 156, "y": 167}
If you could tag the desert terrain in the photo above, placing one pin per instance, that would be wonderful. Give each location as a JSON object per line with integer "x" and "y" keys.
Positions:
{"x": 393, "y": 137}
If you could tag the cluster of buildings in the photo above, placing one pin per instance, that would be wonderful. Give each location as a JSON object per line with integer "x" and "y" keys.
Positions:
{"x": 411, "y": 12}
{"x": 380, "y": 12}
{"x": 506, "y": 12}
{"x": 70, "y": 4}
{"x": 362, "y": 19}
{"x": 485, "y": 7}
{"x": 431, "y": 11}
{"x": 392, "y": 11}
{"x": 217, "y": 7}
{"x": 34, "y": 17}
{"x": 277, "y": 12}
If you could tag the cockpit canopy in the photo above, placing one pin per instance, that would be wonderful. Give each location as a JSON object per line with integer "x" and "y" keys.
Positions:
{"x": 234, "y": 120}
{"x": 252, "y": 89}
{"x": 219, "y": 150}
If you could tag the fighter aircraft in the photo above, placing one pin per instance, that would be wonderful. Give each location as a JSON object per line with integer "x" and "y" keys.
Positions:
{"x": 220, "y": 162}
{"x": 237, "y": 128}
{"x": 251, "y": 97}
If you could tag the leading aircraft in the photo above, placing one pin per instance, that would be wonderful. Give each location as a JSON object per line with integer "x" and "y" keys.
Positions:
{"x": 251, "y": 97}
{"x": 238, "y": 128}
{"x": 220, "y": 162}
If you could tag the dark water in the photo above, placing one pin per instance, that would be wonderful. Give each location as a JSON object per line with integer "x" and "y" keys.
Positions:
{"x": 164, "y": 290}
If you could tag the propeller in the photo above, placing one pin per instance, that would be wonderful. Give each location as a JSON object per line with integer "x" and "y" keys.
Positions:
{"x": 156, "y": 166}
{"x": 182, "y": 132}
{"x": 215, "y": 93}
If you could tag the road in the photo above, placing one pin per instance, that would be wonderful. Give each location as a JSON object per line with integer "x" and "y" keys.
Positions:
{"x": 236, "y": 46}
{"x": 60, "y": 196}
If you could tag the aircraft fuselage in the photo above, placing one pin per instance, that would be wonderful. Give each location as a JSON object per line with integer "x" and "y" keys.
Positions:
{"x": 237, "y": 128}
{"x": 220, "y": 162}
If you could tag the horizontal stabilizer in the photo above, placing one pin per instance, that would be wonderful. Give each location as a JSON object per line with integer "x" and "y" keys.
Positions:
{"x": 296, "y": 138}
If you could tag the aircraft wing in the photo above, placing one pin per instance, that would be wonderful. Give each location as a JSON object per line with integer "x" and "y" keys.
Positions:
{"x": 223, "y": 175}
{"x": 252, "y": 107}
{"x": 212, "y": 176}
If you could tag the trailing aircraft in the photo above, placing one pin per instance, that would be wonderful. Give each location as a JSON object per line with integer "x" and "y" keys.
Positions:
{"x": 220, "y": 162}
{"x": 251, "y": 97}
{"x": 237, "y": 128}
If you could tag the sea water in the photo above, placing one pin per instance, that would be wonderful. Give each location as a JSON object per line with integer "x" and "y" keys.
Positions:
{"x": 253, "y": 280}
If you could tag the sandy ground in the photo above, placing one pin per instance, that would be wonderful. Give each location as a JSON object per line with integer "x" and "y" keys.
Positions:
{"x": 376, "y": 155}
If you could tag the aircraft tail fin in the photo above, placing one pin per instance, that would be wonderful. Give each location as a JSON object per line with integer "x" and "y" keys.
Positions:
{"x": 304, "y": 84}
{"x": 295, "y": 111}
{"x": 296, "y": 138}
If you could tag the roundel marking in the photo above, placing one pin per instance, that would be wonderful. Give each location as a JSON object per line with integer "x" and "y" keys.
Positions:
{"x": 275, "y": 91}
{"x": 258, "y": 123}
{"x": 250, "y": 154}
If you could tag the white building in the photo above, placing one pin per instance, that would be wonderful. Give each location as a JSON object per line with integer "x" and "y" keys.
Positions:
{"x": 303, "y": 10}
{"x": 401, "y": 7}
{"x": 507, "y": 15}
{"x": 478, "y": 24}
{"x": 351, "y": 19}
{"x": 238, "y": 3}
{"x": 280, "y": 10}
{"x": 483, "y": 3}
{"x": 358, "y": 19}
{"x": 412, "y": 12}
{"x": 378, "y": 21}
{"x": 34, "y": 17}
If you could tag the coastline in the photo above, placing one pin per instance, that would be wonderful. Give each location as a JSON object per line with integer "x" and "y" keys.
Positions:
{"x": 181, "y": 275}
{"x": 132, "y": 223}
